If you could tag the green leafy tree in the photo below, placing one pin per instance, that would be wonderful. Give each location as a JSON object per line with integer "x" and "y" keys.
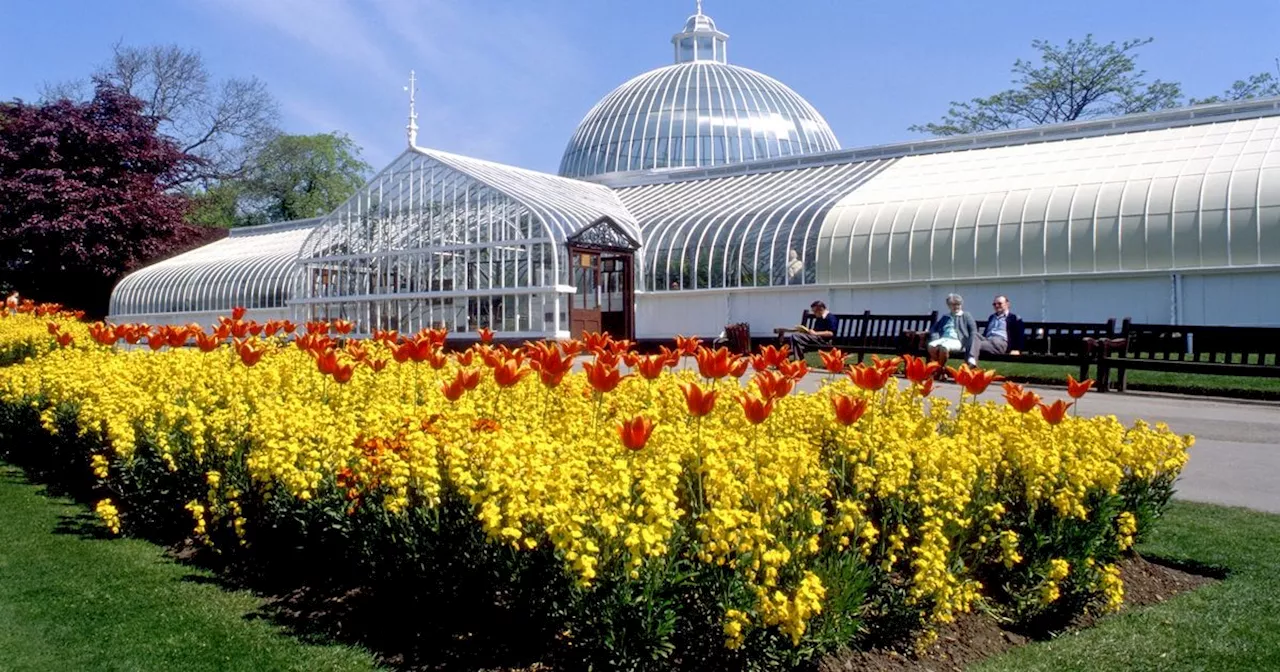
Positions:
{"x": 1261, "y": 85}
{"x": 298, "y": 176}
{"x": 1077, "y": 80}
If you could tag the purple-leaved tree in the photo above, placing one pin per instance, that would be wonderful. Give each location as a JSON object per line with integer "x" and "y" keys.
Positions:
{"x": 84, "y": 197}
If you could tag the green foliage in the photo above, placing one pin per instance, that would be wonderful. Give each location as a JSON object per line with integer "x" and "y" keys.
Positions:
{"x": 301, "y": 176}
{"x": 71, "y": 599}
{"x": 1077, "y": 80}
{"x": 1261, "y": 85}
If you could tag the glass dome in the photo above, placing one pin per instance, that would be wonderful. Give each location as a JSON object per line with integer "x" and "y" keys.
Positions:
{"x": 701, "y": 111}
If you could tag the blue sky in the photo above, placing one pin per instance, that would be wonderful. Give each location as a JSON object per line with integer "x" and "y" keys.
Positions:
{"x": 508, "y": 80}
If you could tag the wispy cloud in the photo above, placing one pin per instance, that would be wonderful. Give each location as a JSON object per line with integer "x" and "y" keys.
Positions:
{"x": 487, "y": 75}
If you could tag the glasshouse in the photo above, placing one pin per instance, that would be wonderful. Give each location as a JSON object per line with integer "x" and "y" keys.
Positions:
{"x": 702, "y": 194}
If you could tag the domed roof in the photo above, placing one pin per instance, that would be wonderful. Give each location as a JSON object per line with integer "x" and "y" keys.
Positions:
{"x": 701, "y": 111}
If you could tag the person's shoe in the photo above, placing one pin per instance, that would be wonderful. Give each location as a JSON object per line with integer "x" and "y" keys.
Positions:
{"x": 972, "y": 362}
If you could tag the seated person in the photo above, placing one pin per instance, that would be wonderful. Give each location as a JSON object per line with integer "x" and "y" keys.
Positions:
{"x": 1003, "y": 333}
{"x": 804, "y": 339}
{"x": 955, "y": 332}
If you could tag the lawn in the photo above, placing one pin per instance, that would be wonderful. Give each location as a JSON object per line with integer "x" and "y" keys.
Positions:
{"x": 73, "y": 600}
{"x": 1233, "y": 625}
{"x": 1227, "y": 386}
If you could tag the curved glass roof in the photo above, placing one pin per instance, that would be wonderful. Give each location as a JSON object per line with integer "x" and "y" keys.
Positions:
{"x": 254, "y": 267}
{"x": 701, "y": 111}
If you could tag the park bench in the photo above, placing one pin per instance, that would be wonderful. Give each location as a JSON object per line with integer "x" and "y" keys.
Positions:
{"x": 1063, "y": 343}
{"x": 1060, "y": 343}
{"x": 866, "y": 334}
{"x": 1192, "y": 349}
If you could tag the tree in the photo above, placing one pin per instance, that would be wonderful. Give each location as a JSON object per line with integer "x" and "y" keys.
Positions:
{"x": 1261, "y": 85}
{"x": 1078, "y": 80}
{"x": 224, "y": 123}
{"x": 301, "y": 176}
{"x": 83, "y": 197}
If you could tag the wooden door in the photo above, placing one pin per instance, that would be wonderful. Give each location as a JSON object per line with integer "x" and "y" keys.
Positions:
{"x": 584, "y": 306}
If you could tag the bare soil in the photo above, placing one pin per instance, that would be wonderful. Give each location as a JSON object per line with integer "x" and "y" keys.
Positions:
{"x": 974, "y": 637}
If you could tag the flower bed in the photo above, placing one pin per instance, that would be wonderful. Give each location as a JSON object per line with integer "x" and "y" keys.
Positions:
{"x": 671, "y": 516}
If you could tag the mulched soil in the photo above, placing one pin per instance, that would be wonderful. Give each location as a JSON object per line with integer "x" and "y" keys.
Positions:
{"x": 974, "y": 637}
{"x": 970, "y": 639}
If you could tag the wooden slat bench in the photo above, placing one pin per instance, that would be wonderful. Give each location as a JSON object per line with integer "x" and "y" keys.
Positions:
{"x": 1059, "y": 343}
{"x": 866, "y": 334}
{"x": 1062, "y": 343}
{"x": 1228, "y": 351}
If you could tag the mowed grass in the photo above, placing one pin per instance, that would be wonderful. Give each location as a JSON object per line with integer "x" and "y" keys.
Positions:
{"x": 71, "y": 599}
{"x": 1233, "y": 625}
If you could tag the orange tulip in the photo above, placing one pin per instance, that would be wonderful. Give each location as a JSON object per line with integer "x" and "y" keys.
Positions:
{"x": 687, "y": 345}
{"x": 603, "y": 376}
{"x": 1022, "y": 400}
{"x": 376, "y": 364}
{"x": 343, "y": 327}
{"x": 756, "y": 409}
{"x": 103, "y": 333}
{"x": 620, "y": 347}
{"x": 318, "y": 327}
{"x": 237, "y": 313}
{"x": 869, "y": 377}
{"x": 255, "y": 329}
{"x": 698, "y": 401}
{"x": 509, "y": 373}
{"x": 919, "y": 370}
{"x": 454, "y": 389}
{"x": 635, "y": 432}
{"x": 1077, "y": 389}
{"x": 250, "y": 354}
{"x": 715, "y": 364}
{"x": 207, "y": 342}
{"x": 470, "y": 378}
{"x": 343, "y": 372}
{"x": 832, "y": 360}
{"x": 925, "y": 388}
{"x": 436, "y": 357}
{"x": 288, "y": 327}
{"x": 486, "y": 334}
{"x": 771, "y": 356}
{"x": 156, "y": 340}
{"x": 53, "y": 328}
{"x": 571, "y": 347}
{"x": 774, "y": 384}
{"x": 327, "y": 362}
{"x": 848, "y": 409}
{"x": 65, "y": 339}
{"x": 793, "y": 370}
{"x": 552, "y": 368}
{"x": 974, "y": 381}
{"x": 1055, "y": 413}
{"x": 596, "y": 342}
{"x": 890, "y": 365}
{"x": 651, "y": 366}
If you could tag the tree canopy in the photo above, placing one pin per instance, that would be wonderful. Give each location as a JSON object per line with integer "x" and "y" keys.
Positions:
{"x": 301, "y": 176}
{"x": 84, "y": 198}
{"x": 1079, "y": 80}
{"x": 223, "y": 123}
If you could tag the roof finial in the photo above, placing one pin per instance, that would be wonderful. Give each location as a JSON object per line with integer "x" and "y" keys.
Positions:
{"x": 412, "y": 128}
{"x": 699, "y": 7}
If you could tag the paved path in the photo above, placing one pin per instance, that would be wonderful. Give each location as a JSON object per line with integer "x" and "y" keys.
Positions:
{"x": 1236, "y": 458}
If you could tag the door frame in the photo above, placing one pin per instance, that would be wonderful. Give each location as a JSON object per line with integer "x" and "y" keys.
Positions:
{"x": 604, "y": 238}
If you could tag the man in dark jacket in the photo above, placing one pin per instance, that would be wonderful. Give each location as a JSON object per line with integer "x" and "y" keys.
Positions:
{"x": 956, "y": 332}
{"x": 804, "y": 339}
{"x": 1003, "y": 333}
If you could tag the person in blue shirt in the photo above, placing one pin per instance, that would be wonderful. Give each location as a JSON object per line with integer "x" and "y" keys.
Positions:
{"x": 1003, "y": 333}
{"x": 804, "y": 339}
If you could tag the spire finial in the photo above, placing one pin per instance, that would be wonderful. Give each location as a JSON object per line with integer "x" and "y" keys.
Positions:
{"x": 412, "y": 128}
{"x": 699, "y": 7}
